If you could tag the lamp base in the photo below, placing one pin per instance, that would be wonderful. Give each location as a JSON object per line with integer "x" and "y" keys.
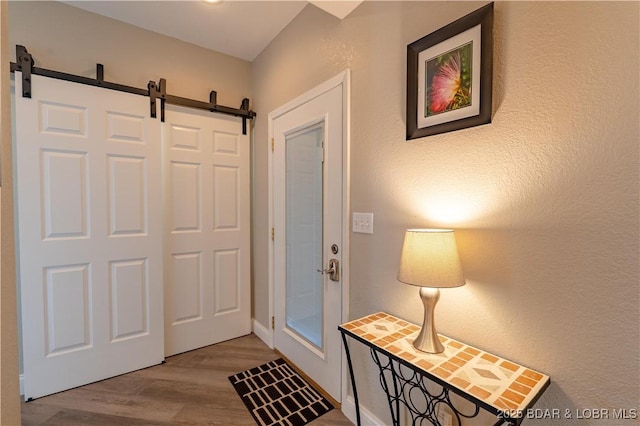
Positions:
{"x": 427, "y": 340}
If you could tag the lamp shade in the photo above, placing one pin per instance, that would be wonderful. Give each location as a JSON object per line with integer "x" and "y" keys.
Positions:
{"x": 430, "y": 259}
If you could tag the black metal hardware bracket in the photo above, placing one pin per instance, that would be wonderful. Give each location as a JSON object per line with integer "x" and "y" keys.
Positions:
{"x": 25, "y": 64}
{"x": 157, "y": 91}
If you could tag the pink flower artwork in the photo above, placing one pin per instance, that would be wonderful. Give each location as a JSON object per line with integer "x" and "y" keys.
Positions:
{"x": 449, "y": 82}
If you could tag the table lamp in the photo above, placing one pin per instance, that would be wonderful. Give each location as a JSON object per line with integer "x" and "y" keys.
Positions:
{"x": 430, "y": 261}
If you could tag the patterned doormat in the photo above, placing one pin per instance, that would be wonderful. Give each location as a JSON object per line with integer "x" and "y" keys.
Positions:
{"x": 276, "y": 395}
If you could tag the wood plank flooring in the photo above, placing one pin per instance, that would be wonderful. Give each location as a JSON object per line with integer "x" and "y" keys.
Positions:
{"x": 189, "y": 389}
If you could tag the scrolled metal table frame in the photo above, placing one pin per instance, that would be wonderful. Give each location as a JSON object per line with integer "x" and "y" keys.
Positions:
{"x": 399, "y": 386}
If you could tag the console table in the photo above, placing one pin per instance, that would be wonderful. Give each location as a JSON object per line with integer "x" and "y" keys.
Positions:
{"x": 408, "y": 376}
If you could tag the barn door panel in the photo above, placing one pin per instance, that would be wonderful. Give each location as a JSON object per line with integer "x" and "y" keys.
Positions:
{"x": 89, "y": 234}
{"x": 207, "y": 234}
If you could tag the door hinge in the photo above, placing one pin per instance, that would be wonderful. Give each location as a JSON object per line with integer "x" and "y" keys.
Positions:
{"x": 273, "y": 234}
{"x": 273, "y": 323}
{"x": 273, "y": 144}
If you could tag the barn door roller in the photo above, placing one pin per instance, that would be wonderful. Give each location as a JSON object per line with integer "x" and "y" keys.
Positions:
{"x": 155, "y": 91}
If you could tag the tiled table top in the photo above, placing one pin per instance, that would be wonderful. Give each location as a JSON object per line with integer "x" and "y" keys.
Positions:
{"x": 502, "y": 384}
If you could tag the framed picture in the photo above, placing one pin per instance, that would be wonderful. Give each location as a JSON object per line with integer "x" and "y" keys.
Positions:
{"x": 449, "y": 76}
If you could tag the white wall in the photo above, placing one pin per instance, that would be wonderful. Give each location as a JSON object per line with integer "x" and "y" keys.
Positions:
{"x": 545, "y": 200}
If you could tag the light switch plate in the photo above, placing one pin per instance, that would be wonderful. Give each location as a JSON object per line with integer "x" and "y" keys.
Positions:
{"x": 363, "y": 223}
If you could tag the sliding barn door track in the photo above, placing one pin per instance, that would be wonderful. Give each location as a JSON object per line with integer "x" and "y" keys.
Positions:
{"x": 155, "y": 91}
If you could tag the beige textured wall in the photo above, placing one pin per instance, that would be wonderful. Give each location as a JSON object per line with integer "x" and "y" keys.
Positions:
{"x": 9, "y": 391}
{"x": 545, "y": 200}
{"x": 65, "y": 38}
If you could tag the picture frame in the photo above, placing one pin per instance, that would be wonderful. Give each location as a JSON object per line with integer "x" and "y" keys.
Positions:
{"x": 449, "y": 76}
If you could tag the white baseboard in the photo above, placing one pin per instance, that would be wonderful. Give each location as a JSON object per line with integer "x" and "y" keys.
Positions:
{"x": 265, "y": 334}
{"x": 21, "y": 384}
{"x": 366, "y": 417}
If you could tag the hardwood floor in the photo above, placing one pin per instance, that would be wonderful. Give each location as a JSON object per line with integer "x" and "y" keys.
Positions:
{"x": 189, "y": 389}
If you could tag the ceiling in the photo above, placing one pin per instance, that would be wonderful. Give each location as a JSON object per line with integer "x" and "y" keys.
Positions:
{"x": 240, "y": 28}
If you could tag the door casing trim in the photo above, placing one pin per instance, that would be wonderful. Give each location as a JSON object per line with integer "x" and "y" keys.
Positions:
{"x": 342, "y": 79}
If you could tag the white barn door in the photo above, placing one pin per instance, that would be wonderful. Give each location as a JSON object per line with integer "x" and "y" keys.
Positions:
{"x": 90, "y": 234}
{"x": 207, "y": 229}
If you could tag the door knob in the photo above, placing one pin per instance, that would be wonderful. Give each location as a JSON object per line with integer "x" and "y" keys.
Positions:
{"x": 333, "y": 271}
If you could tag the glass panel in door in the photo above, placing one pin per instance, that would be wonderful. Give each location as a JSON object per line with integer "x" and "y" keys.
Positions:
{"x": 304, "y": 284}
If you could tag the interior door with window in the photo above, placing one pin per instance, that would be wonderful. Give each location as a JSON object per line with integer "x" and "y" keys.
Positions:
{"x": 308, "y": 240}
